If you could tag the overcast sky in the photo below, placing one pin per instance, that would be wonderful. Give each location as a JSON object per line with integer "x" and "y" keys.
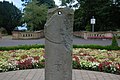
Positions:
{"x": 18, "y": 2}
{"x": 15, "y": 2}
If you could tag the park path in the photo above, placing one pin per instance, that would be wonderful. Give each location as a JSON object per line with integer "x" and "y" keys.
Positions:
{"x": 7, "y": 41}
{"x": 38, "y": 74}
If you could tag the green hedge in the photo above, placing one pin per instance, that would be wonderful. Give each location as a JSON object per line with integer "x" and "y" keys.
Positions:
{"x": 27, "y": 47}
{"x": 114, "y": 42}
{"x": 97, "y": 47}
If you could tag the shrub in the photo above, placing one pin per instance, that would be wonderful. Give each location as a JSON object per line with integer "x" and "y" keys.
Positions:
{"x": 114, "y": 42}
{"x": 27, "y": 47}
{"x": 97, "y": 47}
{"x": 76, "y": 62}
{"x": 24, "y": 47}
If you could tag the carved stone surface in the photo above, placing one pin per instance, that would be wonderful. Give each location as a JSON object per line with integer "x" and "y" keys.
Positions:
{"x": 58, "y": 44}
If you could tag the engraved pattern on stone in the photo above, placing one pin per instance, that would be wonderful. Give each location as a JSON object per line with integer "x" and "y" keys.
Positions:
{"x": 58, "y": 44}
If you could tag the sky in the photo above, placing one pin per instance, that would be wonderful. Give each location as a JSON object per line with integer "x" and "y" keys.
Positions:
{"x": 18, "y": 3}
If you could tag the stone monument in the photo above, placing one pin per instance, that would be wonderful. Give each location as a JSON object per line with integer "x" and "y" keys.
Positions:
{"x": 58, "y": 44}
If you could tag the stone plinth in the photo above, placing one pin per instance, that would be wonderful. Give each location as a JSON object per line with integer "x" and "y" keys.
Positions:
{"x": 58, "y": 44}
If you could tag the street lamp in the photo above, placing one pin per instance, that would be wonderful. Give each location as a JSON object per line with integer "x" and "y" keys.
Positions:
{"x": 92, "y": 21}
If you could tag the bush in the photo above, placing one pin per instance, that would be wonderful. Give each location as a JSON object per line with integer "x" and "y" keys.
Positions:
{"x": 114, "y": 42}
{"x": 97, "y": 47}
{"x": 27, "y": 47}
{"x": 24, "y": 47}
{"x": 75, "y": 65}
{"x": 3, "y": 31}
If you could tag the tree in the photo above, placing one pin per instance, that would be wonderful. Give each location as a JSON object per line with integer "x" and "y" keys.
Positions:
{"x": 70, "y": 3}
{"x": 48, "y": 3}
{"x": 35, "y": 13}
{"x": 35, "y": 16}
{"x": 105, "y": 11}
{"x": 9, "y": 16}
{"x": 108, "y": 16}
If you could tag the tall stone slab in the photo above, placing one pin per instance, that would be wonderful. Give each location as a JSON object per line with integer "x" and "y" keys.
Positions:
{"x": 58, "y": 44}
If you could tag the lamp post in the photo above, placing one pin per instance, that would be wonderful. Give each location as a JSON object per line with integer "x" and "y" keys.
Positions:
{"x": 92, "y": 21}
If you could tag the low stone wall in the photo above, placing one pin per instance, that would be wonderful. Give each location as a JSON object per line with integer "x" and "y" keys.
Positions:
{"x": 27, "y": 35}
{"x": 96, "y": 35}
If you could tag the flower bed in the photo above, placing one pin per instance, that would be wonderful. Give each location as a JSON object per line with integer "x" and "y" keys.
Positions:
{"x": 98, "y": 60}
{"x": 21, "y": 59}
{"x": 99, "y": 37}
{"x": 89, "y": 59}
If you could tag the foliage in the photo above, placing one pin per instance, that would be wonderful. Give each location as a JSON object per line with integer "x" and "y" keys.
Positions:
{"x": 35, "y": 13}
{"x": 70, "y": 3}
{"x": 114, "y": 42}
{"x": 88, "y": 28}
{"x": 87, "y": 60}
{"x": 75, "y": 63}
{"x": 27, "y": 47}
{"x": 99, "y": 37}
{"x": 83, "y": 58}
{"x": 78, "y": 19}
{"x": 48, "y": 3}
{"x": 35, "y": 16}
{"x": 24, "y": 47}
{"x": 9, "y": 16}
{"x": 97, "y": 47}
{"x": 21, "y": 59}
{"x": 105, "y": 12}
{"x": 3, "y": 30}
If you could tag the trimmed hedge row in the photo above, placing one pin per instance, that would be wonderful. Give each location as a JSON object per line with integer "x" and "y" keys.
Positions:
{"x": 27, "y": 47}
{"x": 24, "y": 47}
{"x": 97, "y": 47}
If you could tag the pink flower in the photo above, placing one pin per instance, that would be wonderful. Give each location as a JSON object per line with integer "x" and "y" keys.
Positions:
{"x": 76, "y": 58}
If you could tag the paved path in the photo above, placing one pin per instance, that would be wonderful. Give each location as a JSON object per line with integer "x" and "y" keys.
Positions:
{"x": 7, "y": 41}
{"x": 38, "y": 74}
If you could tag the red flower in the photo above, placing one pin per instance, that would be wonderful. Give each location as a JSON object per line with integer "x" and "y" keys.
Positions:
{"x": 26, "y": 64}
{"x": 24, "y": 56}
{"x": 92, "y": 59}
{"x": 118, "y": 66}
{"x": 36, "y": 58}
{"x": 100, "y": 66}
{"x": 76, "y": 58}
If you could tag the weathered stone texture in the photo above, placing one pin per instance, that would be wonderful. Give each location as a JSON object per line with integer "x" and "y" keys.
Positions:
{"x": 58, "y": 44}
